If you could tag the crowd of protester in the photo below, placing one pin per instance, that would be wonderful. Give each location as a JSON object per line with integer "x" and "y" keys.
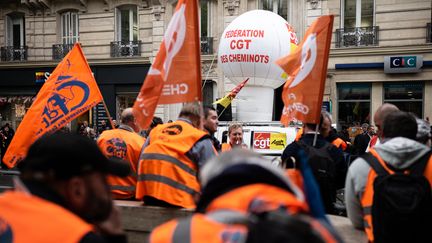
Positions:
{"x": 237, "y": 196}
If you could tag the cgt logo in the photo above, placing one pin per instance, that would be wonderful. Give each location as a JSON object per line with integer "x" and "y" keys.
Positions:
{"x": 403, "y": 62}
{"x": 69, "y": 95}
{"x": 261, "y": 140}
{"x": 173, "y": 130}
{"x": 116, "y": 148}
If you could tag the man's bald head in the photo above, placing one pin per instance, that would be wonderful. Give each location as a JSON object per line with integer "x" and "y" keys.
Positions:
{"x": 381, "y": 113}
{"x": 127, "y": 118}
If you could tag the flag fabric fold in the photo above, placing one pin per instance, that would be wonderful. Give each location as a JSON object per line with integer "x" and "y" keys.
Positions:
{"x": 307, "y": 69}
{"x": 227, "y": 99}
{"x": 68, "y": 92}
{"x": 175, "y": 75}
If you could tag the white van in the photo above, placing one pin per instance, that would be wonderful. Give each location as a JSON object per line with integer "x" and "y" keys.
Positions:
{"x": 266, "y": 138}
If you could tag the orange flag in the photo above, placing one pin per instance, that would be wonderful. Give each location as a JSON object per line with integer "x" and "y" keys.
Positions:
{"x": 307, "y": 69}
{"x": 175, "y": 75}
{"x": 69, "y": 91}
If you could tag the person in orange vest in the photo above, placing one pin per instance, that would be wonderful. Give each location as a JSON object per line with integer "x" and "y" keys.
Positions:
{"x": 245, "y": 199}
{"x": 172, "y": 156}
{"x": 336, "y": 141}
{"x": 62, "y": 194}
{"x": 397, "y": 153}
{"x": 235, "y": 137}
{"x": 299, "y": 134}
{"x": 123, "y": 143}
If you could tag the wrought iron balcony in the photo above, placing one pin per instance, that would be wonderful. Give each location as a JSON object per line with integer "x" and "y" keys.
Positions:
{"x": 13, "y": 53}
{"x": 428, "y": 33}
{"x": 206, "y": 45}
{"x": 361, "y": 36}
{"x": 125, "y": 48}
{"x": 60, "y": 50}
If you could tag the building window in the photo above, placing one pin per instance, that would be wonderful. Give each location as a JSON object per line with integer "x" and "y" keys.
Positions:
{"x": 208, "y": 92}
{"x": 15, "y": 30}
{"x": 354, "y": 103}
{"x": 276, "y": 6}
{"x": 357, "y": 24}
{"x": 69, "y": 27}
{"x": 358, "y": 13}
{"x": 406, "y": 96}
{"x": 205, "y": 19}
{"x": 126, "y": 23}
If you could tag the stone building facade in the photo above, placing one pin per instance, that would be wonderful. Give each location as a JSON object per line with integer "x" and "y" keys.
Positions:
{"x": 120, "y": 38}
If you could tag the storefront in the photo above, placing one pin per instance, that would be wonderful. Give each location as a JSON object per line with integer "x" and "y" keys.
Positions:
{"x": 361, "y": 88}
{"x": 119, "y": 85}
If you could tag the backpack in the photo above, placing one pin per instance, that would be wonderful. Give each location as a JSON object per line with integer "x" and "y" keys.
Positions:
{"x": 402, "y": 203}
{"x": 324, "y": 170}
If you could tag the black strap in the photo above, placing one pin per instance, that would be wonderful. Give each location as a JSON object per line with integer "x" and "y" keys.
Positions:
{"x": 375, "y": 164}
{"x": 419, "y": 166}
{"x": 416, "y": 169}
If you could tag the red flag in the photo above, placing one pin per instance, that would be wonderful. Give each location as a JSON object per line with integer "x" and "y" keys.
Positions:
{"x": 307, "y": 67}
{"x": 175, "y": 75}
{"x": 69, "y": 91}
{"x": 226, "y": 100}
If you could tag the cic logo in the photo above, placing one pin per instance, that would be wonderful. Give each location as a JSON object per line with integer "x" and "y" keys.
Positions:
{"x": 403, "y": 62}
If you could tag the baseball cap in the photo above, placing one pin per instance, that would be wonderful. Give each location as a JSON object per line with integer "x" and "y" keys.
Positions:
{"x": 64, "y": 155}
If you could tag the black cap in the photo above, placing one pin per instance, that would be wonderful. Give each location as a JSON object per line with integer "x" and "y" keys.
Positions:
{"x": 64, "y": 155}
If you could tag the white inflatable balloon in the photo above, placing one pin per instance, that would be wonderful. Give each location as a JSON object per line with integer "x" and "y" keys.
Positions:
{"x": 251, "y": 44}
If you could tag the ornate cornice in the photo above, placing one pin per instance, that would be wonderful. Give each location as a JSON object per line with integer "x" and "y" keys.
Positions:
{"x": 231, "y": 6}
{"x": 377, "y": 51}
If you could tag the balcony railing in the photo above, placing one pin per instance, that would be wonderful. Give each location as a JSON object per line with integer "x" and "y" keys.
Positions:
{"x": 13, "y": 53}
{"x": 206, "y": 45}
{"x": 125, "y": 48}
{"x": 60, "y": 50}
{"x": 360, "y": 36}
{"x": 428, "y": 33}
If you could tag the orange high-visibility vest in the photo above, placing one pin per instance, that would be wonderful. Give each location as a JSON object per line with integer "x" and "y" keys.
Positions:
{"x": 340, "y": 143}
{"x": 196, "y": 229}
{"x": 165, "y": 171}
{"x": 125, "y": 145}
{"x": 207, "y": 228}
{"x": 367, "y": 198}
{"x": 241, "y": 198}
{"x": 299, "y": 134}
{"x": 33, "y": 219}
{"x": 226, "y": 147}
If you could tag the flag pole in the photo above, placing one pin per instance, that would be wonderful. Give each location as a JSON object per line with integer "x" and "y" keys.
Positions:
{"x": 109, "y": 116}
{"x": 316, "y": 135}
{"x": 222, "y": 112}
{"x": 208, "y": 72}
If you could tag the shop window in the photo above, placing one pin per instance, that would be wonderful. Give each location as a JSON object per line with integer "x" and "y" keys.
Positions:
{"x": 124, "y": 101}
{"x": 354, "y": 103}
{"x": 406, "y": 96}
{"x": 13, "y": 109}
{"x": 126, "y": 23}
{"x": 69, "y": 27}
{"x": 277, "y": 6}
